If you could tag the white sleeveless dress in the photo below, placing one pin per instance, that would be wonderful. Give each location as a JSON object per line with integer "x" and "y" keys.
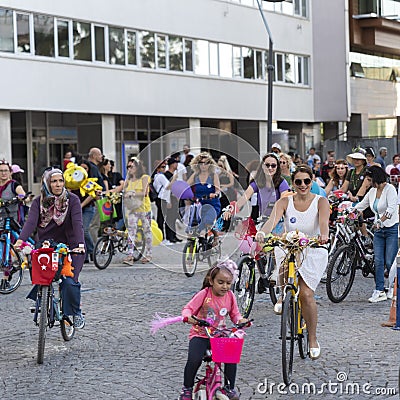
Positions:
{"x": 314, "y": 260}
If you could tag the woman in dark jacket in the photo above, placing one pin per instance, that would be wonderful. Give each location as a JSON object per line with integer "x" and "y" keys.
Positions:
{"x": 56, "y": 214}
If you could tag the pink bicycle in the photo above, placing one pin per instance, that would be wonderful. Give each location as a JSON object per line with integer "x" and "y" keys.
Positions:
{"x": 226, "y": 347}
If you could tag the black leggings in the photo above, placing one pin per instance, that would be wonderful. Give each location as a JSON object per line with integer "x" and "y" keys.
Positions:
{"x": 197, "y": 349}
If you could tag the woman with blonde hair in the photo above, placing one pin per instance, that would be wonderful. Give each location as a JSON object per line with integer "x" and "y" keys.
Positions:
{"x": 206, "y": 187}
{"x": 285, "y": 161}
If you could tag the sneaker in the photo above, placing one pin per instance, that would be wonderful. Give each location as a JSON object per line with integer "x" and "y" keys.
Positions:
{"x": 79, "y": 321}
{"x": 186, "y": 394}
{"x": 389, "y": 293}
{"x": 377, "y": 295}
{"x": 231, "y": 393}
{"x": 128, "y": 260}
{"x": 166, "y": 242}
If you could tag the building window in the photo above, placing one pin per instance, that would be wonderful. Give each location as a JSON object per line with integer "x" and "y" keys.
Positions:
{"x": 259, "y": 64}
{"x": 300, "y": 8}
{"x": 6, "y": 30}
{"x": 82, "y": 41}
{"x": 116, "y": 39}
{"x": 213, "y": 54}
{"x": 248, "y": 63}
{"x": 23, "y": 34}
{"x": 201, "y": 59}
{"x": 225, "y": 60}
{"x": 161, "y": 51}
{"x": 131, "y": 47}
{"x": 237, "y": 62}
{"x": 63, "y": 38}
{"x": 43, "y": 26}
{"x": 99, "y": 43}
{"x": 188, "y": 55}
{"x": 147, "y": 49}
{"x": 175, "y": 49}
{"x": 292, "y": 69}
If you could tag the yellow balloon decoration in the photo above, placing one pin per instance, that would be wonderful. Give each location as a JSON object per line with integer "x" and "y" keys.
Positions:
{"x": 156, "y": 232}
{"x": 76, "y": 177}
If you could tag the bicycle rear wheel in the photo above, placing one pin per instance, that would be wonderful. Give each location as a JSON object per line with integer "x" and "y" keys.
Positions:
{"x": 15, "y": 272}
{"x": 288, "y": 337}
{"x": 190, "y": 257}
{"x": 245, "y": 287}
{"x": 103, "y": 252}
{"x": 44, "y": 313}
{"x": 139, "y": 245}
{"x": 340, "y": 273}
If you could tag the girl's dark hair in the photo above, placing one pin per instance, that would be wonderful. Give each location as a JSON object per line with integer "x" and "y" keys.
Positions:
{"x": 86, "y": 162}
{"x": 211, "y": 274}
{"x": 377, "y": 174}
{"x": 139, "y": 167}
{"x": 334, "y": 175}
{"x": 302, "y": 168}
{"x": 260, "y": 178}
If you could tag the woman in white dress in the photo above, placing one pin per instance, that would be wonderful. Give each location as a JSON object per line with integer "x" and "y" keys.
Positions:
{"x": 308, "y": 213}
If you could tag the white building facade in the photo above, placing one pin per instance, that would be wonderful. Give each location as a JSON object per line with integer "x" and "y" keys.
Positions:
{"x": 120, "y": 75}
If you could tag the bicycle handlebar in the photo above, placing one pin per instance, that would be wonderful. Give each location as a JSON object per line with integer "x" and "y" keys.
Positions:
{"x": 300, "y": 243}
{"x": 14, "y": 200}
{"x": 203, "y": 322}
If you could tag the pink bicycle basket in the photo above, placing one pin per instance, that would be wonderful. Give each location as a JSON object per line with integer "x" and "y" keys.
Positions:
{"x": 245, "y": 244}
{"x": 226, "y": 350}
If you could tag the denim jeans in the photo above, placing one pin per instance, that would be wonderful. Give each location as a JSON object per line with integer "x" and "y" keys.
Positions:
{"x": 87, "y": 216}
{"x": 385, "y": 249}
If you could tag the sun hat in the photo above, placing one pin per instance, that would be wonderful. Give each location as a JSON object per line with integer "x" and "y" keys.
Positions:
{"x": 15, "y": 168}
{"x": 357, "y": 154}
{"x": 370, "y": 151}
{"x": 277, "y": 146}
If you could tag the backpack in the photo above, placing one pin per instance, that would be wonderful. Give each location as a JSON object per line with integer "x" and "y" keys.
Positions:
{"x": 153, "y": 194}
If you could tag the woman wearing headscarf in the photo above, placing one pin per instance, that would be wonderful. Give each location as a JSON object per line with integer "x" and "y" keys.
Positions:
{"x": 56, "y": 214}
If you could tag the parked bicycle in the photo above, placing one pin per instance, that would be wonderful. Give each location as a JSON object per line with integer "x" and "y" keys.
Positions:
{"x": 293, "y": 326}
{"x": 245, "y": 287}
{"x": 352, "y": 254}
{"x": 11, "y": 261}
{"x": 47, "y": 270}
{"x": 199, "y": 248}
{"x": 226, "y": 347}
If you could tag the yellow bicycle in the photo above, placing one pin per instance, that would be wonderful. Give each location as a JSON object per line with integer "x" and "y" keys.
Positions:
{"x": 293, "y": 326}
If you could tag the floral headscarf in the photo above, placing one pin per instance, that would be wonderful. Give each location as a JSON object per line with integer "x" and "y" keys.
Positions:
{"x": 51, "y": 206}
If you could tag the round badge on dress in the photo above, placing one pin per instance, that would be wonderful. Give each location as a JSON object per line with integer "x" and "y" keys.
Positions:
{"x": 223, "y": 312}
{"x": 293, "y": 220}
{"x": 209, "y": 186}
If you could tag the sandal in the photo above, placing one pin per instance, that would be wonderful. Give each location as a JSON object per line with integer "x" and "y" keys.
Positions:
{"x": 145, "y": 260}
{"x": 128, "y": 260}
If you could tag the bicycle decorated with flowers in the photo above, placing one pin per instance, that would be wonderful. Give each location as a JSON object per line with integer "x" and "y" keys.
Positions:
{"x": 293, "y": 326}
{"x": 114, "y": 239}
{"x": 49, "y": 265}
{"x": 249, "y": 261}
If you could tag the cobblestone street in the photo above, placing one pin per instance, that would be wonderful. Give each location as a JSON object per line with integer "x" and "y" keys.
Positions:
{"x": 116, "y": 357}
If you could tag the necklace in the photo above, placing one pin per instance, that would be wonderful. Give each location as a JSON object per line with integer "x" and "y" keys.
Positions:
{"x": 355, "y": 178}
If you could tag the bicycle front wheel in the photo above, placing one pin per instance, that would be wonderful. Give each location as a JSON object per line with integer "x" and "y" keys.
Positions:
{"x": 103, "y": 252}
{"x": 13, "y": 280}
{"x": 66, "y": 324}
{"x": 288, "y": 337}
{"x": 190, "y": 258}
{"x": 245, "y": 287}
{"x": 273, "y": 288}
{"x": 340, "y": 273}
{"x": 302, "y": 335}
{"x": 44, "y": 313}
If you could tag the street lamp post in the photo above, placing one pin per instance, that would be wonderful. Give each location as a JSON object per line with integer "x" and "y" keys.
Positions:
{"x": 270, "y": 70}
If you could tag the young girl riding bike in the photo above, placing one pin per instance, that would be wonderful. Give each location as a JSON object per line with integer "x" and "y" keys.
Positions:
{"x": 213, "y": 303}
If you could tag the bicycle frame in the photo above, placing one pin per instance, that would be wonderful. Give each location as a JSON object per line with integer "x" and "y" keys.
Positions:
{"x": 212, "y": 380}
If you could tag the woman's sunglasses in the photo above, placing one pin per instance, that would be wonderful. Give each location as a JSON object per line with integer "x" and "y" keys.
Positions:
{"x": 270, "y": 165}
{"x": 306, "y": 181}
